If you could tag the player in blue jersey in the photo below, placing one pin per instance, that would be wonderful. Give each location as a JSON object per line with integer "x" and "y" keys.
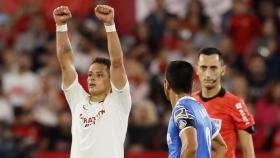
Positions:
{"x": 191, "y": 133}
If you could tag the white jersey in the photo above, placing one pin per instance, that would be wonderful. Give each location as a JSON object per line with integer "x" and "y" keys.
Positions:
{"x": 98, "y": 129}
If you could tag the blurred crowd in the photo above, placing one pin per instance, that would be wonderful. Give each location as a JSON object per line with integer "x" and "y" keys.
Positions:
{"x": 34, "y": 115}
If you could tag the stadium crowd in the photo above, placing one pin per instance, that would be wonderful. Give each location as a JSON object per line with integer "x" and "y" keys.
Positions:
{"x": 34, "y": 115}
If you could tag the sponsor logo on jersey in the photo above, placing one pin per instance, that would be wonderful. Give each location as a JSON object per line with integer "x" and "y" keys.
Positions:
{"x": 86, "y": 121}
{"x": 242, "y": 113}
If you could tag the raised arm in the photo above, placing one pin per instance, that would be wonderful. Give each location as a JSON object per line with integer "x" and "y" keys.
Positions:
{"x": 117, "y": 71}
{"x": 63, "y": 47}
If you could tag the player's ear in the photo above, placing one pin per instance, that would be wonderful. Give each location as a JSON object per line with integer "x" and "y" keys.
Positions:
{"x": 166, "y": 85}
{"x": 223, "y": 69}
{"x": 195, "y": 66}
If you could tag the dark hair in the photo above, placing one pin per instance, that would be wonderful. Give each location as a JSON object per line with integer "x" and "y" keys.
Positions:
{"x": 104, "y": 61}
{"x": 211, "y": 51}
{"x": 179, "y": 75}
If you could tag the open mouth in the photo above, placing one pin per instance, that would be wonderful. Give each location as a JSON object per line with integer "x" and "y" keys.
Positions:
{"x": 92, "y": 85}
{"x": 209, "y": 81}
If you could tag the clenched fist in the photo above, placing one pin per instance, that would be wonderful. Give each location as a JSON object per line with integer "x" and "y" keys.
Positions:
{"x": 61, "y": 15}
{"x": 105, "y": 14}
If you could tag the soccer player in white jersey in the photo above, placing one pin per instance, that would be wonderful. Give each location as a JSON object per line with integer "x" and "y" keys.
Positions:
{"x": 100, "y": 118}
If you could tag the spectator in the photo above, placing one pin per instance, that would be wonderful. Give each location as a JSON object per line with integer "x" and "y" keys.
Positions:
{"x": 21, "y": 84}
{"x": 240, "y": 88}
{"x": 244, "y": 28}
{"x": 138, "y": 81}
{"x": 143, "y": 48}
{"x": 268, "y": 10}
{"x": 257, "y": 77}
{"x": 45, "y": 100}
{"x": 35, "y": 36}
{"x": 143, "y": 131}
{"x": 5, "y": 31}
{"x": 207, "y": 37}
{"x": 195, "y": 17}
{"x": 267, "y": 113}
{"x": 170, "y": 39}
{"x": 7, "y": 111}
{"x": 156, "y": 21}
{"x": 267, "y": 47}
{"x": 59, "y": 137}
{"x": 226, "y": 46}
{"x": 8, "y": 60}
{"x": 85, "y": 53}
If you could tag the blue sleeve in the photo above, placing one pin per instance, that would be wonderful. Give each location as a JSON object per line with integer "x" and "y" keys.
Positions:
{"x": 183, "y": 118}
{"x": 214, "y": 131}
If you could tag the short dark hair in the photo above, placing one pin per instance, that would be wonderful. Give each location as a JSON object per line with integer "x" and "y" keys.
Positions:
{"x": 104, "y": 61}
{"x": 179, "y": 75}
{"x": 211, "y": 51}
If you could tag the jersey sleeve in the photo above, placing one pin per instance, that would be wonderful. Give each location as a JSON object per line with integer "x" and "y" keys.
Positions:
{"x": 183, "y": 119}
{"x": 123, "y": 96}
{"x": 241, "y": 116}
{"x": 74, "y": 93}
{"x": 214, "y": 131}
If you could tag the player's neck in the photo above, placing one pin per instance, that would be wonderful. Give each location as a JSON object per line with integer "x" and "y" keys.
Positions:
{"x": 208, "y": 93}
{"x": 175, "y": 97}
{"x": 98, "y": 98}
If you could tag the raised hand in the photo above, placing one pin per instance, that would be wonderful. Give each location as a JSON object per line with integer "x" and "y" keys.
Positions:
{"x": 61, "y": 15}
{"x": 105, "y": 14}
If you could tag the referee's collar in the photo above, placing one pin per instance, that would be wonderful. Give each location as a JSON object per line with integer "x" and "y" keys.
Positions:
{"x": 221, "y": 93}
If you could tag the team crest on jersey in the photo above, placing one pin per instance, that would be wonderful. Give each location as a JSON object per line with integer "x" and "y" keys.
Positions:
{"x": 85, "y": 107}
{"x": 217, "y": 123}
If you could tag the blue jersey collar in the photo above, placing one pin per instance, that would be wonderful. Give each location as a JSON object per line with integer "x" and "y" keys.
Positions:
{"x": 184, "y": 97}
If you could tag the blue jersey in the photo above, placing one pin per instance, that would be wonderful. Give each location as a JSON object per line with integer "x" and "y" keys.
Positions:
{"x": 189, "y": 113}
